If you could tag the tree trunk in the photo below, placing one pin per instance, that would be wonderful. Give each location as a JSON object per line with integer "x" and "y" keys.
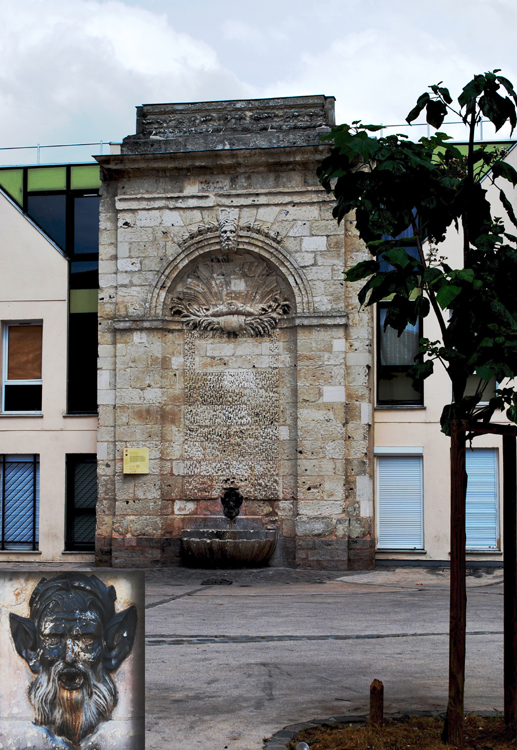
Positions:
{"x": 455, "y": 719}
{"x": 510, "y": 582}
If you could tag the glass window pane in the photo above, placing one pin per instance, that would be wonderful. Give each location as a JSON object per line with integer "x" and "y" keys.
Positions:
{"x": 86, "y": 224}
{"x": 473, "y": 386}
{"x": 398, "y": 350}
{"x": 24, "y": 352}
{"x": 49, "y": 212}
{"x": 22, "y": 398}
{"x": 84, "y": 274}
{"x": 82, "y": 363}
{"x": 85, "y": 485}
{"x": 81, "y": 485}
{"x": 397, "y": 390}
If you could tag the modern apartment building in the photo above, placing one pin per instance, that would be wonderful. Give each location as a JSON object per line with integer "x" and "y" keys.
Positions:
{"x": 48, "y": 319}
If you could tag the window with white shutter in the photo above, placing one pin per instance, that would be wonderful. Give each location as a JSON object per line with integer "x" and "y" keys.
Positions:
{"x": 399, "y": 503}
{"x": 482, "y": 498}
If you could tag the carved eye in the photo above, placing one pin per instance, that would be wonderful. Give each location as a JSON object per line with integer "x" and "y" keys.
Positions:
{"x": 86, "y": 640}
{"x": 52, "y": 640}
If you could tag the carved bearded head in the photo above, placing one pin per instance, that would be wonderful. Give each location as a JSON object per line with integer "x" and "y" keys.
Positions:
{"x": 72, "y": 641}
{"x": 228, "y": 229}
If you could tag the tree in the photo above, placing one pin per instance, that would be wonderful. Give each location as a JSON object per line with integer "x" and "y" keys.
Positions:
{"x": 392, "y": 183}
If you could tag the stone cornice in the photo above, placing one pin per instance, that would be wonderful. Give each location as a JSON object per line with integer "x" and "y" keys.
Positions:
{"x": 228, "y": 198}
{"x": 291, "y": 158}
{"x": 338, "y": 318}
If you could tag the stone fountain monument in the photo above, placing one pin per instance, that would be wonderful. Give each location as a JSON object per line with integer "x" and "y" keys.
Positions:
{"x": 231, "y": 351}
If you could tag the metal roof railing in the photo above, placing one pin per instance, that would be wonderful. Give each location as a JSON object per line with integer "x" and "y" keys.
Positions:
{"x": 40, "y": 147}
{"x": 479, "y": 133}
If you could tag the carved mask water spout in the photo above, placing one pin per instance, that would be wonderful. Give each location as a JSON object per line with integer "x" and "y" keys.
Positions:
{"x": 231, "y": 501}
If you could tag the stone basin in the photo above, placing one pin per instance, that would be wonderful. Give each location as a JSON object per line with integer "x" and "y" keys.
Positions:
{"x": 228, "y": 548}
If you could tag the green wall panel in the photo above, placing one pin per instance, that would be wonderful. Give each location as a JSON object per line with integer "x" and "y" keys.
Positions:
{"x": 82, "y": 178}
{"x": 11, "y": 180}
{"x": 83, "y": 300}
{"x": 46, "y": 178}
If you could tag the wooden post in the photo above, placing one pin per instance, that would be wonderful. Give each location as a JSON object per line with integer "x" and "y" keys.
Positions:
{"x": 455, "y": 719}
{"x": 510, "y": 581}
{"x": 376, "y": 704}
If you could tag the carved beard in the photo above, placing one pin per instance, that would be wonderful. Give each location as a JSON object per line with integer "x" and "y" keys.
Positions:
{"x": 73, "y": 714}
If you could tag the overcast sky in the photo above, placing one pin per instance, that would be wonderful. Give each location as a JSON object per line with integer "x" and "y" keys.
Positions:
{"x": 74, "y": 70}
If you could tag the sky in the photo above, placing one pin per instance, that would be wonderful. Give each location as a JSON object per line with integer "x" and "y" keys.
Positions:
{"x": 73, "y": 71}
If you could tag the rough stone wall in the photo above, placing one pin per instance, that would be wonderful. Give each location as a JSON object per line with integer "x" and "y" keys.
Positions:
{"x": 282, "y": 411}
{"x": 359, "y": 499}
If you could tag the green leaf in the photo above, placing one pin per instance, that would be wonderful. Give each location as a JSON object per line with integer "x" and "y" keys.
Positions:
{"x": 447, "y": 294}
{"x": 420, "y": 104}
{"x": 471, "y": 91}
{"x": 422, "y": 370}
{"x": 362, "y": 270}
{"x": 508, "y": 207}
{"x": 511, "y": 413}
{"x": 493, "y": 106}
{"x": 505, "y": 170}
{"x": 466, "y": 274}
{"x": 435, "y": 113}
{"x": 398, "y": 257}
{"x": 486, "y": 372}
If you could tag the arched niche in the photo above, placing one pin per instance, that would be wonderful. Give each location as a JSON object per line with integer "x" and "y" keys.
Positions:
{"x": 250, "y": 243}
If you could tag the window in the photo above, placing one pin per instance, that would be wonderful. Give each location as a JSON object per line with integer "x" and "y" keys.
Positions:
{"x": 49, "y": 212}
{"x": 474, "y": 383}
{"x": 399, "y": 502}
{"x": 19, "y": 502}
{"x": 482, "y": 499}
{"x": 81, "y": 492}
{"x": 21, "y": 377}
{"x": 82, "y": 363}
{"x": 395, "y": 355}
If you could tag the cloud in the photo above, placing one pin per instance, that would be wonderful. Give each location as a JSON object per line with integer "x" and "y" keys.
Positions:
{"x": 377, "y": 74}
{"x": 75, "y": 69}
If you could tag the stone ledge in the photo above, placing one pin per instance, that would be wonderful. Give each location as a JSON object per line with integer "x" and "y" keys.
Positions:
{"x": 259, "y": 196}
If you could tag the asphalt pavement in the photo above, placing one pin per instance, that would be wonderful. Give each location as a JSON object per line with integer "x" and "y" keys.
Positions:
{"x": 232, "y": 657}
{"x": 229, "y": 665}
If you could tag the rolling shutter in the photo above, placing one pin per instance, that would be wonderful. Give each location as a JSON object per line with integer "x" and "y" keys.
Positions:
{"x": 399, "y": 502}
{"x": 482, "y": 498}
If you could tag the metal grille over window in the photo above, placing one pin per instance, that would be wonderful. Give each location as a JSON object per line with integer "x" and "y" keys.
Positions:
{"x": 81, "y": 501}
{"x": 19, "y": 502}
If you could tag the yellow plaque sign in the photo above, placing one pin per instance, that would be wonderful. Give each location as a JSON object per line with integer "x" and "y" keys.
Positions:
{"x": 136, "y": 460}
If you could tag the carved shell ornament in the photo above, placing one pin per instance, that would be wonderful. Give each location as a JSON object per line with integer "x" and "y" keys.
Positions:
{"x": 230, "y": 295}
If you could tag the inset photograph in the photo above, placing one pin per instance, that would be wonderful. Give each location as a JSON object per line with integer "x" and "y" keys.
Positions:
{"x": 72, "y": 655}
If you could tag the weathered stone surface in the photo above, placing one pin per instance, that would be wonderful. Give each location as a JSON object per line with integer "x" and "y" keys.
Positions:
{"x": 231, "y": 347}
{"x": 201, "y": 126}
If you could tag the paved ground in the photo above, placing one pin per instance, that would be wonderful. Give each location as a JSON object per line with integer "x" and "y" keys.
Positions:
{"x": 229, "y": 665}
